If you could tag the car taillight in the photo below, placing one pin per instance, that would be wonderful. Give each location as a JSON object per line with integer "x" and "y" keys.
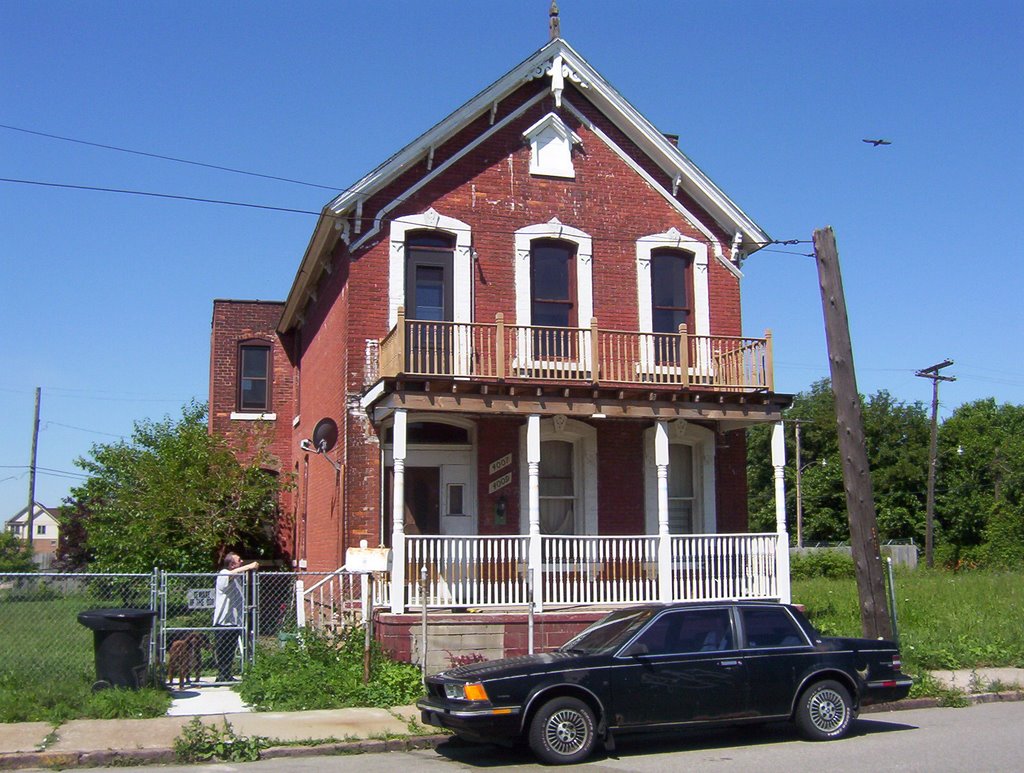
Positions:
{"x": 897, "y": 663}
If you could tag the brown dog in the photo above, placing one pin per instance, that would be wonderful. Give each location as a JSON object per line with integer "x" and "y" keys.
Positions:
{"x": 185, "y": 658}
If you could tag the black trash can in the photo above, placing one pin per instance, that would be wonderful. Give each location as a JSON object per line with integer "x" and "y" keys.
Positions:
{"x": 121, "y": 643}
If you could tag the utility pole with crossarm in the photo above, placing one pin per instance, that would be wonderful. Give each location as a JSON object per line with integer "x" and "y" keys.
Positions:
{"x": 929, "y": 508}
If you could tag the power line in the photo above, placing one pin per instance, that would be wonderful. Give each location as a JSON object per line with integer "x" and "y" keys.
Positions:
{"x": 80, "y": 429}
{"x": 167, "y": 158}
{"x": 330, "y": 215}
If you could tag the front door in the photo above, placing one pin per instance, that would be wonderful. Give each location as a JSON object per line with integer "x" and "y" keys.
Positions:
{"x": 422, "y": 500}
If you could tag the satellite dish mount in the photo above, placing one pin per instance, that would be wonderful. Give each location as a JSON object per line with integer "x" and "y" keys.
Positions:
{"x": 325, "y": 437}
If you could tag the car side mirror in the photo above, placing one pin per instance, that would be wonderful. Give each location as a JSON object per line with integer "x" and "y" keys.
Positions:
{"x": 635, "y": 649}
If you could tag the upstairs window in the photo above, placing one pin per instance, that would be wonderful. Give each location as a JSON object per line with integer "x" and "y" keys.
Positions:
{"x": 553, "y": 296}
{"x": 671, "y": 301}
{"x": 254, "y": 377}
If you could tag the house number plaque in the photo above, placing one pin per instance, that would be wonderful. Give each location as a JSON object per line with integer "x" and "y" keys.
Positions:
{"x": 500, "y": 464}
{"x": 499, "y": 483}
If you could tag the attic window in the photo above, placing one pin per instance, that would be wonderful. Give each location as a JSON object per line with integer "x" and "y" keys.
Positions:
{"x": 551, "y": 144}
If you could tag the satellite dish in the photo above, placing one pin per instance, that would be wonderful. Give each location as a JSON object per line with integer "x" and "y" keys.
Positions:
{"x": 325, "y": 435}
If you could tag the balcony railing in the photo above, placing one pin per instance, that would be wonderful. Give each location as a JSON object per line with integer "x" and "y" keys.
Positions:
{"x": 590, "y": 355}
{"x": 495, "y": 571}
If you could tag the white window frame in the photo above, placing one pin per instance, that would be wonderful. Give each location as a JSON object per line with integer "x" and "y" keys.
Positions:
{"x": 584, "y": 452}
{"x": 702, "y": 440}
{"x": 462, "y": 262}
{"x": 645, "y": 247}
{"x": 524, "y": 239}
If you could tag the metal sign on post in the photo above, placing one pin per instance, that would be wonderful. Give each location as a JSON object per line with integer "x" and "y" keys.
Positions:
{"x": 200, "y": 598}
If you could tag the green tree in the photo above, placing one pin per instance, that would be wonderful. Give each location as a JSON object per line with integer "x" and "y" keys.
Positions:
{"x": 15, "y": 554}
{"x": 897, "y": 439}
{"x": 980, "y": 485}
{"x": 175, "y": 497}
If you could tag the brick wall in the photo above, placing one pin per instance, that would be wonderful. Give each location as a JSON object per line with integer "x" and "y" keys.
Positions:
{"x": 234, "y": 322}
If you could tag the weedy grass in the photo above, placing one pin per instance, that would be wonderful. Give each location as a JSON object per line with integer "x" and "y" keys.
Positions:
{"x": 323, "y": 671}
{"x": 945, "y": 620}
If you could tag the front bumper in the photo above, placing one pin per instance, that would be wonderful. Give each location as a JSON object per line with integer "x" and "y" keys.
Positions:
{"x": 475, "y": 720}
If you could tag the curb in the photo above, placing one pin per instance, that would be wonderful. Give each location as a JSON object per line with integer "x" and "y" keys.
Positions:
{"x": 113, "y": 757}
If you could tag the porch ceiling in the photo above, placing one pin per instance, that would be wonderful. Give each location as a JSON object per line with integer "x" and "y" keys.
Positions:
{"x": 734, "y": 410}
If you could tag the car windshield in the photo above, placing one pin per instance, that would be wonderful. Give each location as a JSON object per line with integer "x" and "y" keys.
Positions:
{"x": 608, "y": 633}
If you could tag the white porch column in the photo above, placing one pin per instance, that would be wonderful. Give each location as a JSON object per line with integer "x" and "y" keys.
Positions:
{"x": 782, "y": 546}
{"x": 664, "y": 539}
{"x": 533, "y": 506}
{"x": 398, "y": 515}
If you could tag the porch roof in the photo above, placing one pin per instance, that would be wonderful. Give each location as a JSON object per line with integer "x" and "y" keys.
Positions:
{"x": 731, "y": 409}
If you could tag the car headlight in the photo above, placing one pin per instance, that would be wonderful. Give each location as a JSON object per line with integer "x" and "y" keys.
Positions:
{"x": 465, "y": 692}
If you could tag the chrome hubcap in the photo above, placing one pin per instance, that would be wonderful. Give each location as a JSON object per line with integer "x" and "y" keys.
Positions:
{"x": 828, "y": 711}
{"x": 566, "y": 731}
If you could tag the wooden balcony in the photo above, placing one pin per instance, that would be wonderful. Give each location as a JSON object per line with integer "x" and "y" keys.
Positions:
{"x": 591, "y": 355}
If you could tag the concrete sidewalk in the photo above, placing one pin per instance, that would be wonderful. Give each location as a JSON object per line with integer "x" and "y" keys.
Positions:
{"x": 96, "y": 742}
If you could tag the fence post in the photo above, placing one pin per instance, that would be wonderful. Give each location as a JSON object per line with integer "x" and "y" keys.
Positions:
{"x": 300, "y": 604}
{"x": 423, "y": 642}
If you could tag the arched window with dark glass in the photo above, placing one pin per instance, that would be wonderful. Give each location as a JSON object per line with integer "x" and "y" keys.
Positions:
{"x": 553, "y": 296}
{"x": 671, "y": 300}
{"x": 254, "y": 376}
{"x": 429, "y": 258}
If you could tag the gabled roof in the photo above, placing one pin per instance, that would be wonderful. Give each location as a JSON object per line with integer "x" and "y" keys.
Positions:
{"x": 22, "y": 515}
{"x": 558, "y": 61}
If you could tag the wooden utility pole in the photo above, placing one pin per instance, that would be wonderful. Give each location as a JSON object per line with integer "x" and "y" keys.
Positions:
{"x": 860, "y": 502}
{"x": 31, "y": 514}
{"x": 929, "y": 509}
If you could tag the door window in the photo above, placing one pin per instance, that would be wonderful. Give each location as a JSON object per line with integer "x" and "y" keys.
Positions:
{"x": 680, "y": 489}
{"x": 557, "y": 488}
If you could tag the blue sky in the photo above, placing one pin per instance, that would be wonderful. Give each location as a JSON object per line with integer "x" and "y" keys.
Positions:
{"x": 105, "y": 299}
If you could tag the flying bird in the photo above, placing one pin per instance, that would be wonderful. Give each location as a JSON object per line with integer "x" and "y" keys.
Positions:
{"x": 876, "y": 143}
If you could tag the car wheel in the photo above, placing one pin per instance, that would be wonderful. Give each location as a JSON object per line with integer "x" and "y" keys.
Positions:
{"x": 562, "y": 731}
{"x": 824, "y": 711}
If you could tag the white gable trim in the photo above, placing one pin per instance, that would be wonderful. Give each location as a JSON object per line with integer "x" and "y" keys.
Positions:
{"x": 438, "y": 170}
{"x": 553, "y": 229}
{"x": 665, "y": 193}
{"x": 462, "y": 263}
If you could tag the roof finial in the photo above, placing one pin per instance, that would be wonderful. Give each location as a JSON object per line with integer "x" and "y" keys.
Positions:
{"x": 554, "y": 28}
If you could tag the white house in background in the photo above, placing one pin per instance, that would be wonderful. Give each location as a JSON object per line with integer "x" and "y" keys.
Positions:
{"x": 45, "y": 532}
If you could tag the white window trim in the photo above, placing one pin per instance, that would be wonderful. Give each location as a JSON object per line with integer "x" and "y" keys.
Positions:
{"x": 672, "y": 239}
{"x": 462, "y": 263}
{"x": 561, "y": 164}
{"x": 702, "y": 440}
{"x": 584, "y": 440}
{"x": 241, "y": 416}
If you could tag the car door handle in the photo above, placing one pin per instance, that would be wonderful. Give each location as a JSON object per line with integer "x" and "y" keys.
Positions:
{"x": 729, "y": 663}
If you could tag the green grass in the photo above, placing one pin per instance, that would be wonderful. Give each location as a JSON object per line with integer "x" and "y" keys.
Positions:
{"x": 946, "y": 620}
{"x": 47, "y": 669}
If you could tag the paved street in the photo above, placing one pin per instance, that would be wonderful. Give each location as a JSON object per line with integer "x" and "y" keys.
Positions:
{"x": 977, "y": 739}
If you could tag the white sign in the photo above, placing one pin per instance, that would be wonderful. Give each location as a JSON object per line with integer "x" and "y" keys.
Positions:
{"x": 367, "y": 559}
{"x": 499, "y": 483}
{"x": 200, "y": 598}
{"x": 500, "y": 464}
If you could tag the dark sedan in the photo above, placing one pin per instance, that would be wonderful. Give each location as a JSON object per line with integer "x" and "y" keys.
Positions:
{"x": 664, "y": 666}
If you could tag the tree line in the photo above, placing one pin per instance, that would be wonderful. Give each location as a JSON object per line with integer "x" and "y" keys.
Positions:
{"x": 979, "y": 488}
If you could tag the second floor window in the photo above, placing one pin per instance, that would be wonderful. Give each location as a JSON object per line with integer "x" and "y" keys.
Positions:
{"x": 254, "y": 377}
{"x": 553, "y": 284}
{"x": 671, "y": 295}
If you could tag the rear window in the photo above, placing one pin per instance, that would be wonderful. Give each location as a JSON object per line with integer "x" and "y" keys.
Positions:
{"x": 771, "y": 628}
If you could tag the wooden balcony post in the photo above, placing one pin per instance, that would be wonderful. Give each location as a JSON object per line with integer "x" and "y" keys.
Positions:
{"x": 499, "y": 344}
{"x": 595, "y": 364}
{"x": 400, "y": 339}
{"x": 769, "y": 367}
{"x": 684, "y": 356}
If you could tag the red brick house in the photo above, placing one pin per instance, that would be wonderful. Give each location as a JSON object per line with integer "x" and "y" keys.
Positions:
{"x": 525, "y": 328}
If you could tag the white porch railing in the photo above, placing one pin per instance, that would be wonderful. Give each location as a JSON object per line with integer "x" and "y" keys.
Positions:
{"x": 494, "y": 571}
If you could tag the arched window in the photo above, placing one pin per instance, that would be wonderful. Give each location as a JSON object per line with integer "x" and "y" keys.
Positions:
{"x": 671, "y": 300}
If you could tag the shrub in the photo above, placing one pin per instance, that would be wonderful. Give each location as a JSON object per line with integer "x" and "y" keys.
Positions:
{"x": 321, "y": 670}
{"x": 830, "y": 564}
{"x": 201, "y": 743}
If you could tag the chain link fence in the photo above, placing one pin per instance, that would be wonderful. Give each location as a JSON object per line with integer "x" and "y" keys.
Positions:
{"x": 42, "y": 641}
